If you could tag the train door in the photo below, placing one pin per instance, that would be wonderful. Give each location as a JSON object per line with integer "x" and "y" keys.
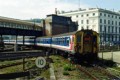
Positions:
{"x": 95, "y": 44}
{"x": 78, "y": 40}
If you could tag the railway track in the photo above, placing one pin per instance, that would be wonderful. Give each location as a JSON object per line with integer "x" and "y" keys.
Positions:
{"x": 114, "y": 71}
{"x": 106, "y": 72}
{"x": 20, "y": 54}
{"x": 86, "y": 72}
{"x": 13, "y": 64}
{"x": 96, "y": 72}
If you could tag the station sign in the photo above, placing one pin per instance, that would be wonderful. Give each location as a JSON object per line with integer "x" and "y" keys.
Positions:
{"x": 40, "y": 62}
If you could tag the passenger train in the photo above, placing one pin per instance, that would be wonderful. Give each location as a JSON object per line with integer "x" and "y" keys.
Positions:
{"x": 81, "y": 43}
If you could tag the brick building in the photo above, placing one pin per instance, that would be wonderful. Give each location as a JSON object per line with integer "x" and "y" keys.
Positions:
{"x": 54, "y": 24}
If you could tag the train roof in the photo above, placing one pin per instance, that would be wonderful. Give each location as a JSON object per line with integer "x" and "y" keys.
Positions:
{"x": 66, "y": 34}
{"x": 70, "y": 33}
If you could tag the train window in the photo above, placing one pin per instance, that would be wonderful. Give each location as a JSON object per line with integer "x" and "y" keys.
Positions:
{"x": 62, "y": 41}
{"x": 58, "y": 41}
{"x": 47, "y": 41}
{"x": 54, "y": 41}
{"x": 94, "y": 38}
{"x": 67, "y": 41}
{"x": 78, "y": 38}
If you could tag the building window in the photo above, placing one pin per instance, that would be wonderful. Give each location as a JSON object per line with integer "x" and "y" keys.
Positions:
{"x": 119, "y": 17}
{"x": 87, "y": 21}
{"x": 112, "y": 23}
{"x": 87, "y": 15}
{"x": 87, "y": 27}
{"x": 93, "y": 14}
{"x": 112, "y": 16}
{"x": 112, "y": 38}
{"x": 104, "y": 14}
{"x": 112, "y": 29}
{"x": 100, "y": 28}
{"x": 116, "y": 30}
{"x": 116, "y": 38}
{"x": 100, "y": 20}
{"x": 81, "y": 21}
{"x": 104, "y": 21}
{"x": 82, "y": 27}
{"x": 108, "y": 29}
{"x": 105, "y": 29}
{"x": 116, "y": 17}
{"x": 108, "y": 15}
{"x": 100, "y": 14}
{"x": 108, "y": 21}
{"x": 81, "y": 15}
{"x": 76, "y": 15}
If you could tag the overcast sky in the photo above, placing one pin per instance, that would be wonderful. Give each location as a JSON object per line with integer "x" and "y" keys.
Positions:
{"x": 29, "y": 9}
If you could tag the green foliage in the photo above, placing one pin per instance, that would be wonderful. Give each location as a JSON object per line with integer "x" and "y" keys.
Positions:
{"x": 30, "y": 65}
{"x": 65, "y": 73}
{"x": 67, "y": 67}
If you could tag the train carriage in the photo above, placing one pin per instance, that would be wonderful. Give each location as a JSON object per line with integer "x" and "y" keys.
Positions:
{"x": 83, "y": 42}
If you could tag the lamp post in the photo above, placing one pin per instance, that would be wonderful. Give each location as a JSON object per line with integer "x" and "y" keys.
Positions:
{"x": 103, "y": 43}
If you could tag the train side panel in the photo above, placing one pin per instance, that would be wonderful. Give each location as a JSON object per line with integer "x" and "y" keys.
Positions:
{"x": 44, "y": 42}
{"x": 63, "y": 43}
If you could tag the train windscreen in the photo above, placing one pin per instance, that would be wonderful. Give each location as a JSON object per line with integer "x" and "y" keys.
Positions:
{"x": 87, "y": 39}
{"x": 87, "y": 42}
{"x": 78, "y": 38}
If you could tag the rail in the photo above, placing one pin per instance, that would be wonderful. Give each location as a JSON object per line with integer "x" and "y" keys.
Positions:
{"x": 20, "y": 55}
{"x": 14, "y": 75}
{"x": 106, "y": 72}
{"x": 86, "y": 72}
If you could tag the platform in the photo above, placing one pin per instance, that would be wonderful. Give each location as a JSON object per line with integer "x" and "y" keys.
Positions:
{"x": 115, "y": 55}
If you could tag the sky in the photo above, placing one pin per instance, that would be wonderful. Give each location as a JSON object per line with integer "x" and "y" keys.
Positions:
{"x": 29, "y": 9}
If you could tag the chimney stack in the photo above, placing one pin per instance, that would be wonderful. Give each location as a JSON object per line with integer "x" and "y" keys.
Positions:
{"x": 56, "y": 11}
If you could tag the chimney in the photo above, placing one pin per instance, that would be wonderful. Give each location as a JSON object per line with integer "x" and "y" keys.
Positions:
{"x": 56, "y": 11}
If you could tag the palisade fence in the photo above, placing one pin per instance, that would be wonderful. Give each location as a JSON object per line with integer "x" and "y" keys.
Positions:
{"x": 108, "y": 48}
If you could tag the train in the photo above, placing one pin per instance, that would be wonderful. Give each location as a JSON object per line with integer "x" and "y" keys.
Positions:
{"x": 83, "y": 43}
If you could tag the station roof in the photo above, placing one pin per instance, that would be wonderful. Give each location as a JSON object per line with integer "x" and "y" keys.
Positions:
{"x": 12, "y": 20}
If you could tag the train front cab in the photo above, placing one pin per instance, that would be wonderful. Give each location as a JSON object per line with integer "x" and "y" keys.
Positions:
{"x": 86, "y": 45}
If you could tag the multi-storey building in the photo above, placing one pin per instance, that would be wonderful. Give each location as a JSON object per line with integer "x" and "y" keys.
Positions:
{"x": 105, "y": 22}
{"x": 54, "y": 24}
